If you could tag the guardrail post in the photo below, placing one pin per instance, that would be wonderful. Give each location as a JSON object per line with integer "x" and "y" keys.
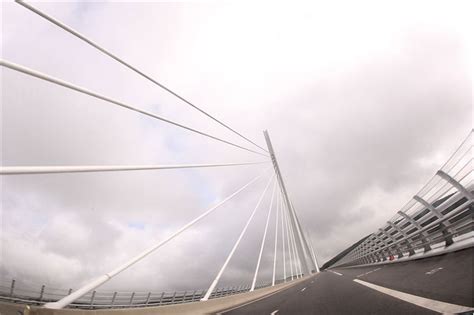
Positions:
{"x": 411, "y": 251}
{"x": 184, "y": 296}
{"x": 174, "y": 296}
{"x": 113, "y": 299}
{"x": 397, "y": 247}
{"x": 372, "y": 248}
{"x": 41, "y": 293}
{"x": 387, "y": 250}
{"x": 194, "y": 295}
{"x": 456, "y": 184}
{"x": 70, "y": 291}
{"x": 161, "y": 297}
{"x": 444, "y": 229}
{"x": 148, "y": 298}
{"x": 417, "y": 225}
{"x": 12, "y": 288}
{"x": 371, "y": 259}
{"x": 379, "y": 254}
{"x": 131, "y": 299}
{"x": 358, "y": 252}
{"x": 92, "y": 299}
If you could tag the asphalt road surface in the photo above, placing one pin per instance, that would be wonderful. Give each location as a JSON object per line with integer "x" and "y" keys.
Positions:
{"x": 433, "y": 282}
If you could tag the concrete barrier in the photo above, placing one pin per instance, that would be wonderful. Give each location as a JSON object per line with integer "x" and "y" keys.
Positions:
{"x": 208, "y": 307}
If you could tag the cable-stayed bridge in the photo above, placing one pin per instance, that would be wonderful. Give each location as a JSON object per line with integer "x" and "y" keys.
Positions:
{"x": 430, "y": 238}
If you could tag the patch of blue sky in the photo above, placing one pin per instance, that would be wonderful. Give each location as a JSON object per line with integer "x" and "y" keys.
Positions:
{"x": 206, "y": 194}
{"x": 136, "y": 225}
{"x": 176, "y": 146}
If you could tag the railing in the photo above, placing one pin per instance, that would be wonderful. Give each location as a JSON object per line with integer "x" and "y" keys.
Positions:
{"x": 440, "y": 215}
{"x": 11, "y": 291}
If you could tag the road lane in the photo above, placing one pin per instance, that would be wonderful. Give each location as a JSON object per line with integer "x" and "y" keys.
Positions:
{"x": 330, "y": 294}
{"x": 446, "y": 278}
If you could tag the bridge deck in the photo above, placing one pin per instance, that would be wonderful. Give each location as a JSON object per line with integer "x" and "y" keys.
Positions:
{"x": 446, "y": 278}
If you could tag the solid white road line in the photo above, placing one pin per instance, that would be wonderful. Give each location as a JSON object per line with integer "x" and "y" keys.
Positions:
{"x": 437, "y": 306}
{"x": 274, "y": 312}
{"x": 303, "y": 289}
{"x": 337, "y": 273}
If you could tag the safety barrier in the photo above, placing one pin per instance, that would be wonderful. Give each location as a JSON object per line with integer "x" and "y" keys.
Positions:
{"x": 11, "y": 291}
{"x": 439, "y": 214}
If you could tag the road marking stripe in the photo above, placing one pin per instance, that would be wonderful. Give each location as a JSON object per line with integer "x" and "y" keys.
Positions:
{"x": 437, "y": 306}
{"x": 337, "y": 273}
{"x": 263, "y": 297}
{"x": 433, "y": 271}
{"x": 364, "y": 274}
{"x": 274, "y": 312}
{"x": 303, "y": 289}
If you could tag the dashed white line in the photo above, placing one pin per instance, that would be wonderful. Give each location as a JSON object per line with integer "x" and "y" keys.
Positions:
{"x": 258, "y": 299}
{"x": 364, "y": 274}
{"x": 337, "y": 273}
{"x": 274, "y": 312}
{"x": 433, "y": 271}
{"x": 303, "y": 289}
{"x": 437, "y": 306}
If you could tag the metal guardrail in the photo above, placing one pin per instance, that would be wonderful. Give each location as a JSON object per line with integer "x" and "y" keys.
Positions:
{"x": 440, "y": 212}
{"x": 12, "y": 291}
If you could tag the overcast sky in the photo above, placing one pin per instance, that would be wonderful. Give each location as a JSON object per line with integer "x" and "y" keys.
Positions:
{"x": 363, "y": 100}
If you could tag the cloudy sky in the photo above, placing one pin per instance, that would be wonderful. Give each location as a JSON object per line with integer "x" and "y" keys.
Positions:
{"x": 363, "y": 100}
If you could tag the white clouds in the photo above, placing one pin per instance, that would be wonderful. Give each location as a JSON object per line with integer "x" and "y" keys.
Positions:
{"x": 363, "y": 102}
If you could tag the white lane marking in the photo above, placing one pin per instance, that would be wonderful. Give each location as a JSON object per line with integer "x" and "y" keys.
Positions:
{"x": 303, "y": 289}
{"x": 364, "y": 274}
{"x": 337, "y": 273}
{"x": 265, "y": 296}
{"x": 437, "y": 306}
{"x": 433, "y": 271}
{"x": 274, "y": 312}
